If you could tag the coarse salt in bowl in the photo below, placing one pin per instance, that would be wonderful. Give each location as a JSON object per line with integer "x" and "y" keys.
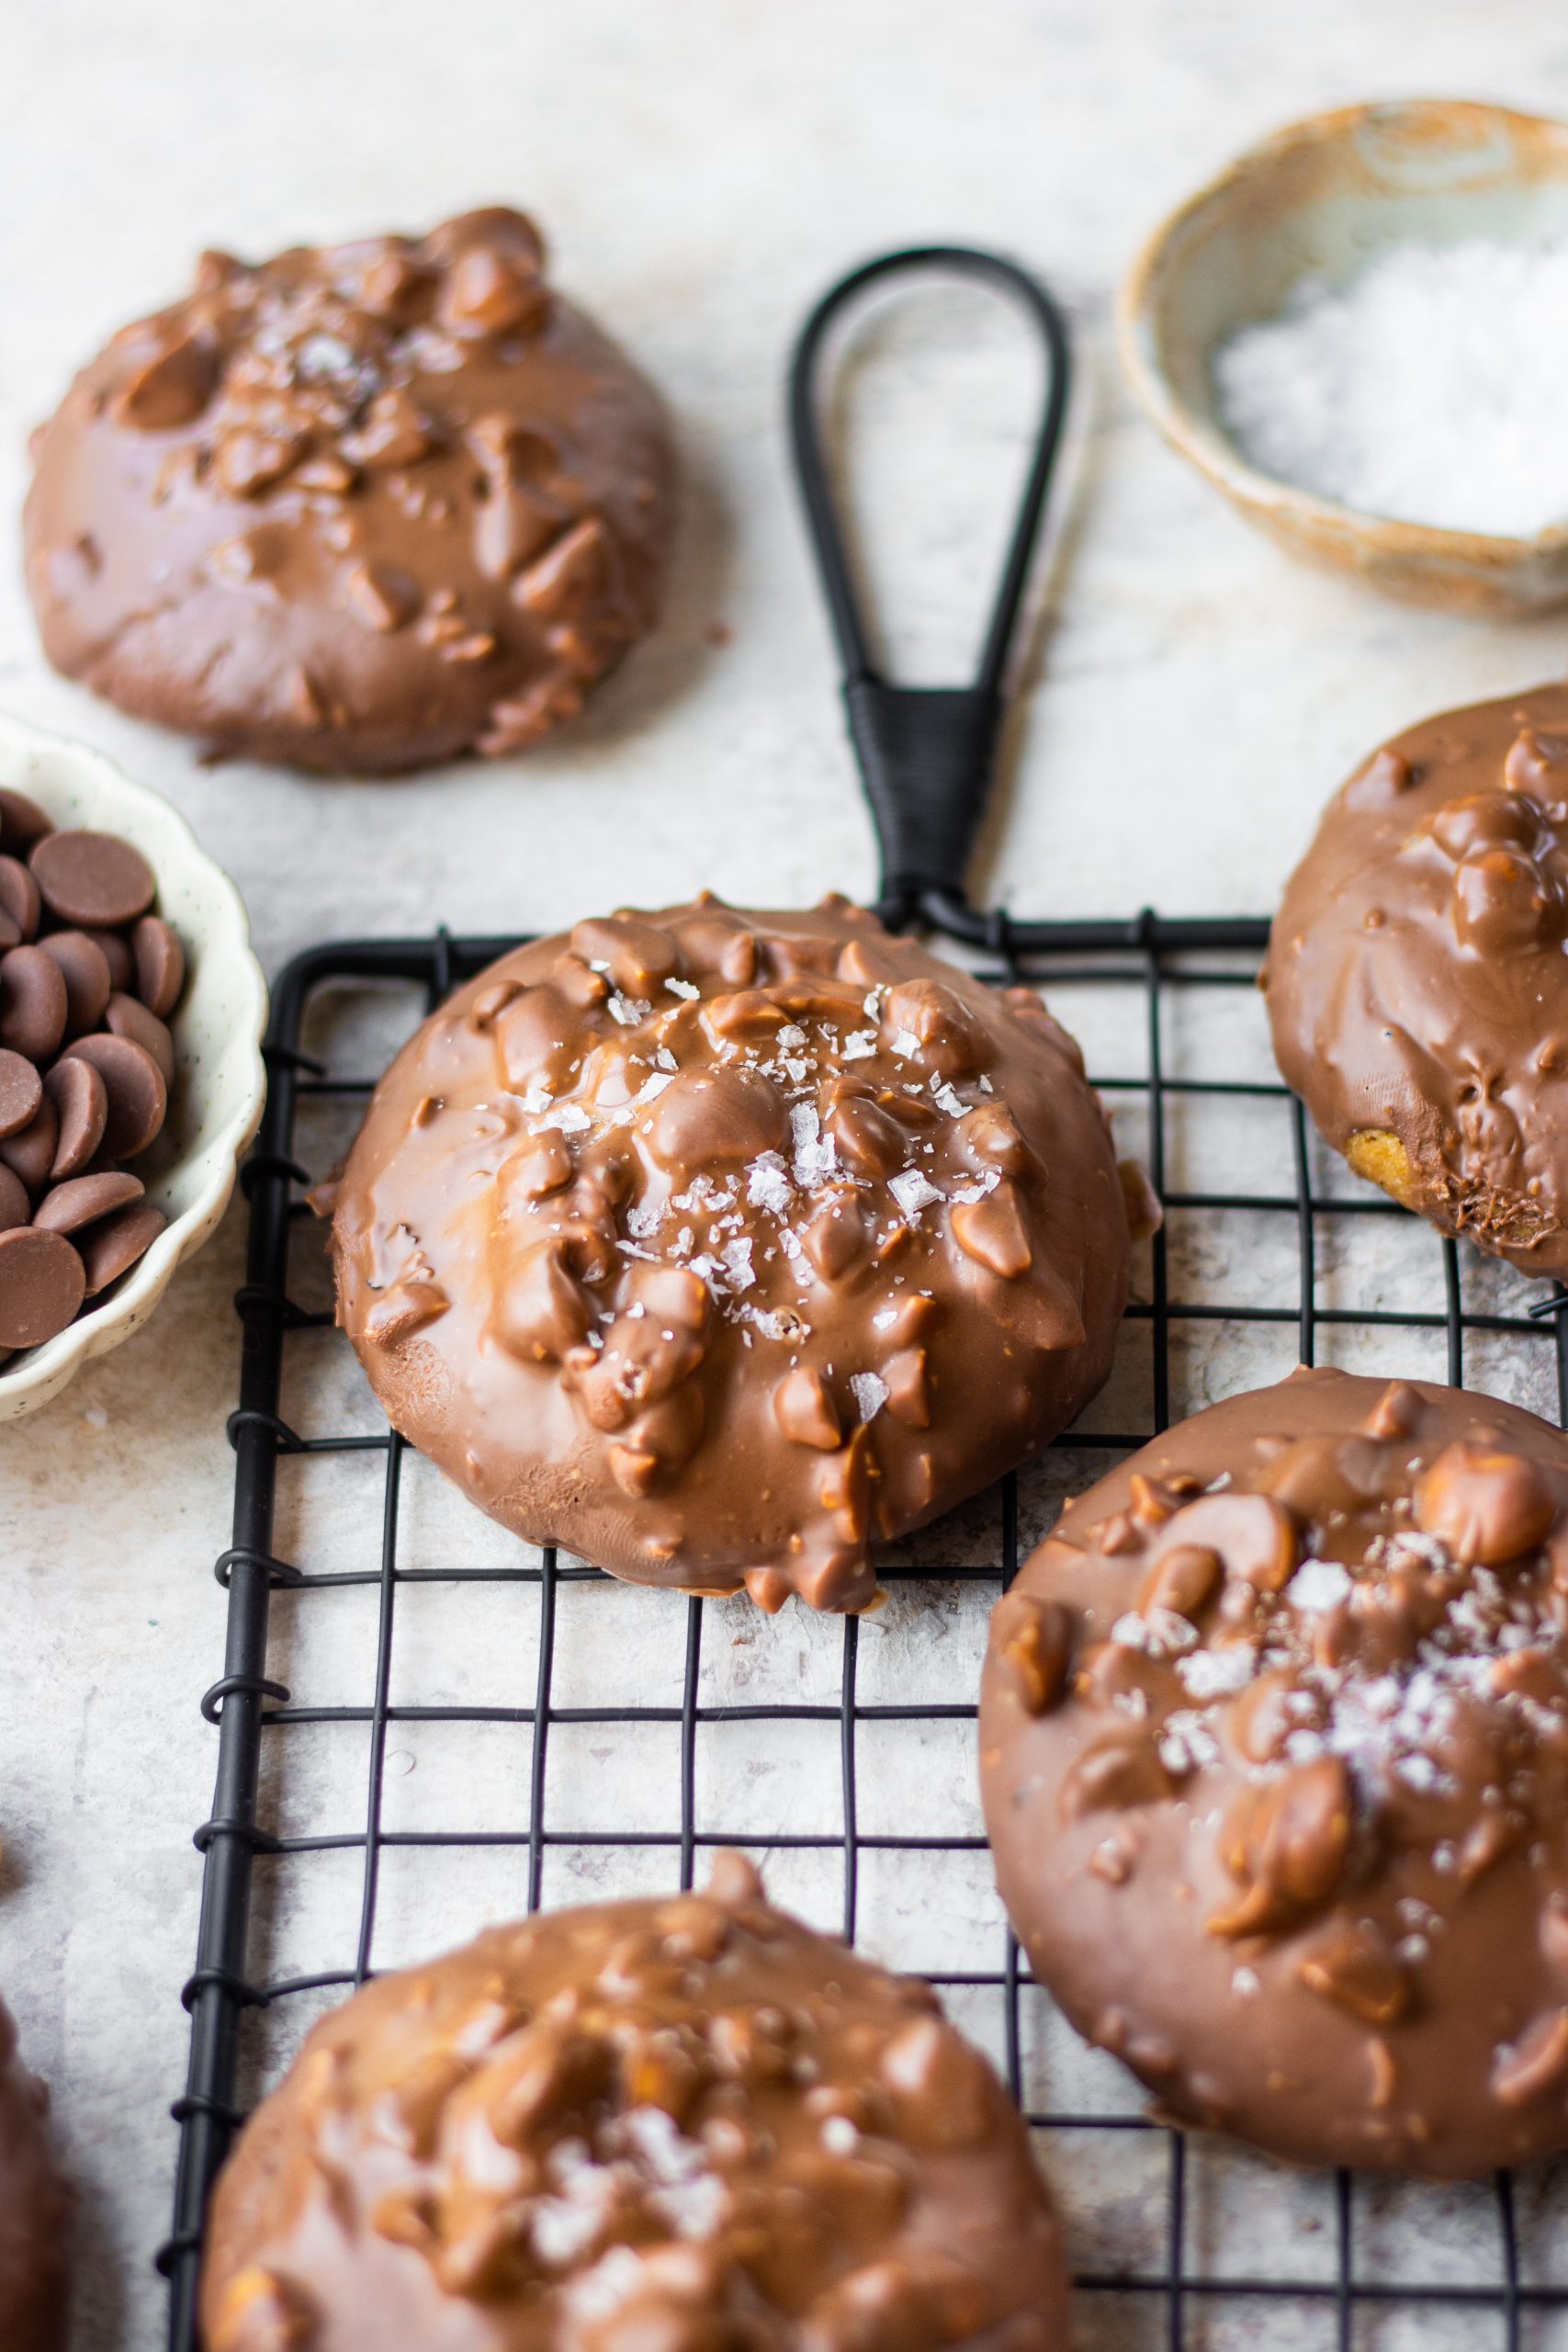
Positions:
{"x": 219, "y": 1085}
{"x": 1320, "y": 206}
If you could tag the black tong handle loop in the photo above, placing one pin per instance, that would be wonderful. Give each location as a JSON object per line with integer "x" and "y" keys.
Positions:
{"x": 926, "y": 754}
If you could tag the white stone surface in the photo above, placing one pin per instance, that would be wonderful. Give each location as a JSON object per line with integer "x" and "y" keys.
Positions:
{"x": 702, "y": 167}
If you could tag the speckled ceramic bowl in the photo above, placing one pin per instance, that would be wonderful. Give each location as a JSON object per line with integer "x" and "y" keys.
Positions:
{"x": 219, "y": 1080}
{"x": 1324, "y": 197}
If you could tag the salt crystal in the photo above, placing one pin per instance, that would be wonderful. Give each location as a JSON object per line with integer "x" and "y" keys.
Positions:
{"x": 946, "y": 1100}
{"x": 912, "y": 1191}
{"x": 791, "y": 1037}
{"x": 1217, "y": 1674}
{"x": 683, "y": 988}
{"x": 767, "y": 1183}
{"x": 859, "y": 1044}
{"x": 569, "y": 1118}
{"x": 1431, "y": 387}
{"x": 870, "y": 1393}
{"x": 1186, "y": 1742}
{"x": 905, "y": 1043}
{"x": 1317, "y": 1585}
{"x": 814, "y": 1153}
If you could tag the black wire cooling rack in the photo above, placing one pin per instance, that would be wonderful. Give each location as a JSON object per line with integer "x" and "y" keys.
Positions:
{"x": 1170, "y": 2253}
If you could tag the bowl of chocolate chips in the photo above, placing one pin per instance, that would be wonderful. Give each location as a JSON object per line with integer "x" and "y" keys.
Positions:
{"x": 131, "y": 1013}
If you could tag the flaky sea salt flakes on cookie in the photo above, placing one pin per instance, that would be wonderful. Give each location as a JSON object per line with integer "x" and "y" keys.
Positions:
{"x": 360, "y": 506}
{"x": 716, "y": 1245}
{"x": 687, "y": 2125}
{"x": 1274, "y": 1754}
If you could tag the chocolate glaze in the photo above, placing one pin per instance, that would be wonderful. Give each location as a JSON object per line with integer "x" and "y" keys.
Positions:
{"x": 1418, "y": 984}
{"x": 1274, "y": 1754}
{"x": 689, "y": 2124}
{"x": 35, "y": 2211}
{"x": 361, "y": 506}
{"x": 714, "y": 1245}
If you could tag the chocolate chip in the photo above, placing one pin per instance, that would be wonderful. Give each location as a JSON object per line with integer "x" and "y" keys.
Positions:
{"x": 19, "y": 898}
{"x": 116, "y": 955}
{"x": 81, "y": 1103}
{"x": 85, "y": 968}
{"x": 22, "y": 821}
{"x": 127, "y": 1017}
{"x": 15, "y": 1207}
{"x": 138, "y": 1097}
{"x": 84, "y": 1199}
{"x": 31, "y": 1152}
{"x": 91, "y": 878}
{"x": 20, "y": 1088}
{"x": 117, "y": 1242}
{"x": 160, "y": 965}
{"x": 32, "y": 1003}
{"x": 42, "y": 1284}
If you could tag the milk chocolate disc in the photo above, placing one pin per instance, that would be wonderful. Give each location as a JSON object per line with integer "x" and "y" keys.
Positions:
{"x": 652, "y": 2126}
{"x": 19, "y": 900}
{"x": 138, "y": 1097}
{"x": 715, "y": 1245}
{"x": 385, "y": 531}
{"x": 1274, "y": 1756}
{"x": 21, "y": 1090}
{"x": 82, "y": 1104}
{"x": 112, "y": 1246}
{"x": 126, "y": 1016}
{"x": 31, "y": 1152}
{"x": 85, "y": 968}
{"x": 160, "y": 965}
{"x": 15, "y": 1207}
{"x": 32, "y": 1003}
{"x": 1418, "y": 977}
{"x": 22, "y": 823}
{"x": 91, "y": 878}
{"x": 35, "y": 2211}
{"x": 84, "y": 1199}
{"x": 41, "y": 1286}
{"x": 116, "y": 955}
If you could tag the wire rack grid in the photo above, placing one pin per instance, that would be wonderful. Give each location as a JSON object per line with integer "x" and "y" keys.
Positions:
{"x": 1177, "y": 2243}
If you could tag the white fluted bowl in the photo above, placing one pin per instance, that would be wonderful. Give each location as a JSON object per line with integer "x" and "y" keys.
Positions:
{"x": 219, "y": 1078}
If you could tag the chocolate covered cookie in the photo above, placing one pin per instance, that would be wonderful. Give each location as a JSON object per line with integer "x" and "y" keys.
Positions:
{"x": 1274, "y": 1753}
{"x": 35, "y": 2211}
{"x": 362, "y": 506}
{"x": 713, "y": 1246}
{"x": 693, "y": 2125}
{"x": 1418, "y": 983}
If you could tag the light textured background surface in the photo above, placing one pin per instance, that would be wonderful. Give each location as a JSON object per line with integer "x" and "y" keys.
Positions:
{"x": 703, "y": 169}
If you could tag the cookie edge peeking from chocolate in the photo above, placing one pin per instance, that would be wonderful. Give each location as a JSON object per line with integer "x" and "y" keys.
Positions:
{"x": 1380, "y": 921}
{"x": 968, "y": 2255}
{"x": 368, "y": 571}
{"x": 1012, "y": 1344}
{"x": 1219, "y": 1926}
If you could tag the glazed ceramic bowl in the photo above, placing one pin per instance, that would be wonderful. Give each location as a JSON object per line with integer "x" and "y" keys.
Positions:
{"x": 219, "y": 1080}
{"x": 1322, "y": 197}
